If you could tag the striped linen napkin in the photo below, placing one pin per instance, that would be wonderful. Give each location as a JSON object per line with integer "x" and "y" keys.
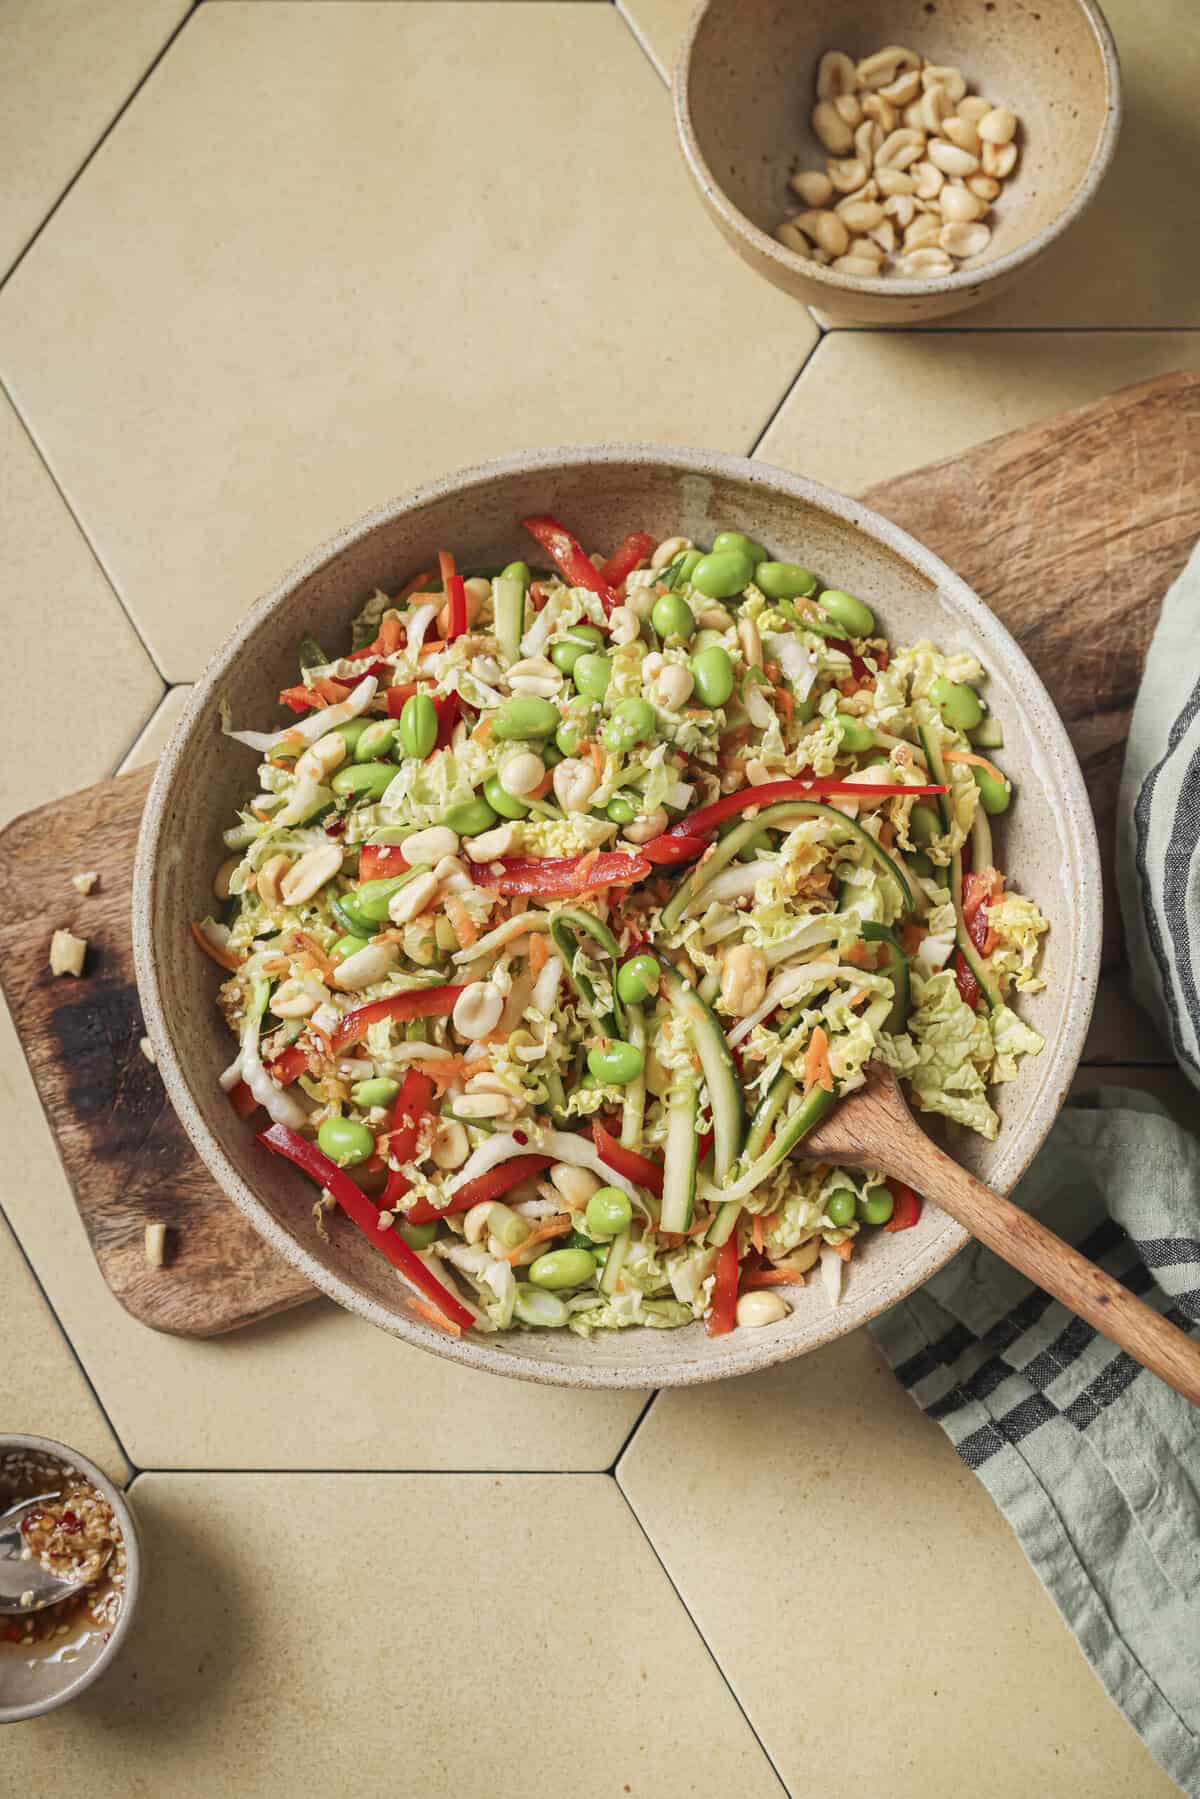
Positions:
{"x": 1094, "y": 1462}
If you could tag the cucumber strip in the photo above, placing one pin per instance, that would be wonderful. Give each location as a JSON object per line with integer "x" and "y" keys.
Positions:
{"x": 618, "y": 1249}
{"x": 817, "y": 1105}
{"x": 768, "y": 1110}
{"x": 989, "y": 735}
{"x": 779, "y": 818}
{"x": 633, "y": 1109}
{"x": 966, "y": 948}
{"x": 896, "y": 970}
{"x": 508, "y": 600}
{"x": 937, "y": 772}
{"x": 680, "y": 1161}
{"x": 720, "y": 1071}
{"x": 981, "y": 841}
{"x": 565, "y": 930}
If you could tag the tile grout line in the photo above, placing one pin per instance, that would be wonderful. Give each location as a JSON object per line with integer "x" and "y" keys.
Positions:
{"x": 93, "y": 552}
{"x": 690, "y": 1615}
{"x": 633, "y": 1431}
{"x": 953, "y": 331}
{"x": 142, "y": 728}
{"x": 643, "y": 44}
{"x": 788, "y": 391}
{"x": 99, "y": 143}
{"x": 7, "y": 1224}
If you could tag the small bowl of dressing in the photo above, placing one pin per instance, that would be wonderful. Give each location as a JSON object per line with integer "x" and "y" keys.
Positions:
{"x": 85, "y": 1532}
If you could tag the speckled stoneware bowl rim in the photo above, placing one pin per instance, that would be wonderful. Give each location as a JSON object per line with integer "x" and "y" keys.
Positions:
{"x": 49, "y": 1702}
{"x": 746, "y": 1353}
{"x": 890, "y": 286}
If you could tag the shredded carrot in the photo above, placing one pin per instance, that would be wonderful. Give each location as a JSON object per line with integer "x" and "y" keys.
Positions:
{"x": 597, "y": 755}
{"x": 391, "y": 636}
{"x": 846, "y": 1249}
{"x": 816, "y": 1062}
{"x": 784, "y": 701}
{"x": 460, "y": 918}
{"x": 698, "y": 1228}
{"x": 978, "y": 761}
{"x": 332, "y": 692}
{"x": 860, "y": 955}
{"x": 539, "y": 954}
{"x": 410, "y": 587}
{"x": 912, "y": 936}
{"x": 482, "y": 732}
{"x": 858, "y": 996}
{"x": 771, "y": 1221}
{"x": 556, "y": 1227}
{"x": 216, "y": 952}
{"x": 756, "y": 1232}
{"x": 431, "y": 1315}
{"x": 446, "y": 1070}
{"x": 778, "y": 1276}
{"x": 887, "y": 834}
{"x": 431, "y": 649}
{"x": 544, "y": 785}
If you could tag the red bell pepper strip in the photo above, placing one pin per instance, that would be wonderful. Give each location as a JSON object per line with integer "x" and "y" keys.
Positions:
{"x": 354, "y": 1202}
{"x": 571, "y": 561}
{"x": 858, "y": 667}
{"x": 409, "y": 1108}
{"x": 699, "y": 824}
{"x": 448, "y": 708}
{"x": 667, "y": 851}
{"x": 456, "y": 596}
{"x": 907, "y": 1207}
{"x": 623, "y": 561}
{"x": 964, "y": 980}
{"x": 636, "y": 1168}
{"x": 556, "y": 877}
{"x": 298, "y": 699}
{"x": 722, "y": 1310}
{"x": 421, "y": 1002}
{"x": 242, "y": 1100}
{"x": 501, "y": 1179}
{"x": 378, "y": 861}
{"x": 290, "y": 1064}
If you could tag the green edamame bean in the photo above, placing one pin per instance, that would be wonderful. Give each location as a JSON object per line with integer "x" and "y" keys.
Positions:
{"x": 737, "y": 540}
{"x": 501, "y": 801}
{"x": 418, "y": 728}
{"x": 581, "y": 640}
{"x": 924, "y": 824}
{"x": 671, "y": 616}
{"x": 563, "y": 1268}
{"x": 957, "y": 702}
{"x": 620, "y": 811}
{"x": 591, "y": 675}
{"x": 784, "y": 580}
{"x": 570, "y": 734}
{"x": 631, "y": 721}
{"x": 608, "y": 1212}
{"x": 372, "y": 898}
{"x": 525, "y": 717}
{"x": 712, "y": 672}
{"x": 516, "y": 571}
{"x": 723, "y": 573}
{"x": 853, "y": 733}
{"x": 534, "y": 1306}
{"x": 616, "y": 1063}
{"x": 349, "y": 945}
{"x": 345, "y": 1141}
{"x": 364, "y": 780}
{"x": 921, "y": 865}
{"x": 876, "y": 1205}
{"x": 994, "y": 795}
{"x": 350, "y": 732}
{"x": 841, "y": 1206}
{"x": 418, "y": 1236}
{"x": 637, "y": 980}
{"x": 375, "y": 742}
{"x": 688, "y": 567}
{"x": 855, "y": 618}
{"x": 377, "y": 1092}
{"x": 551, "y": 755}
{"x": 470, "y": 818}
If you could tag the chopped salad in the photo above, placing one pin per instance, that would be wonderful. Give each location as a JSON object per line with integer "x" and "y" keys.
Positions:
{"x": 572, "y": 897}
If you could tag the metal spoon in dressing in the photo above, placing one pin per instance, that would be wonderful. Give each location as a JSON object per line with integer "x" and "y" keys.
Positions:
{"x": 25, "y": 1586}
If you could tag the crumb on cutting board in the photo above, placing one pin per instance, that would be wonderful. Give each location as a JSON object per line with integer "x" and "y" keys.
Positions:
{"x": 147, "y": 1049}
{"x": 67, "y": 953}
{"x": 84, "y": 883}
{"x": 156, "y": 1244}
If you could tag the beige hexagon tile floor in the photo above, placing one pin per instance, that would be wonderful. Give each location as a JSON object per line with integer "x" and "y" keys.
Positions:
{"x": 270, "y": 329}
{"x": 871, "y": 1610}
{"x": 165, "y": 341}
{"x": 68, "y": 67}
{"x": 442, "y": 1635}
{"x": 1131, "y": 258}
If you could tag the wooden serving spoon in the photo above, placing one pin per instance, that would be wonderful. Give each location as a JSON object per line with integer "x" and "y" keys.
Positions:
{"x": 873, "y": 1128}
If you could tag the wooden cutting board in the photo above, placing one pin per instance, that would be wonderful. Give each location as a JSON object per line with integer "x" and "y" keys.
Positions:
{"x": 1071, "y": 530}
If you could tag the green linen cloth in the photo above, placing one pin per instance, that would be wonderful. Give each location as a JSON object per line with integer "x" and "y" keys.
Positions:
{"x": 1094, "y": 1462}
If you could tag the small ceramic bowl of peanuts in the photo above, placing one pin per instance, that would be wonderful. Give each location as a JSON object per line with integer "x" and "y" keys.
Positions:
{"x": 893, "y": 160}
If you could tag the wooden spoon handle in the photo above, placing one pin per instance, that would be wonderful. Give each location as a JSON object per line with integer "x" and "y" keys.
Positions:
{"x": 1025, "y": 1243}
